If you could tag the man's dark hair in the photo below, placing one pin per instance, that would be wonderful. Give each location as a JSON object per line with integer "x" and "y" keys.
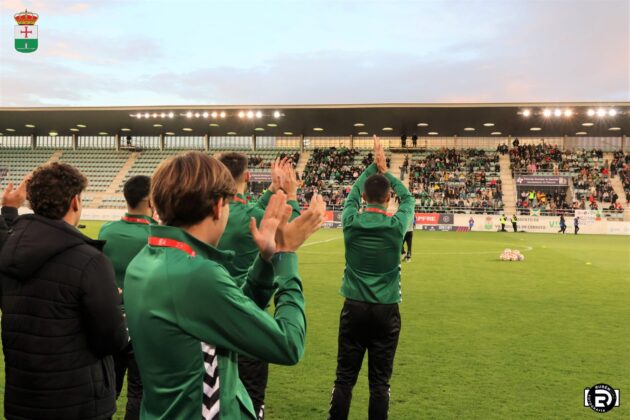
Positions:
{"x": 136, "y": 189}
{"x": 376, "y": 188}
{"x": 51, "y": 188}
{"x": 235, "y": 162}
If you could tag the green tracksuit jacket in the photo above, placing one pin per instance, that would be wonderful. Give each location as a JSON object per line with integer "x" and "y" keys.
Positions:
{"x": 237, "y": 236}
{"x": 125, "y": 238}
{"x": 183, "y": 304}
{"x": 373, "y": 241}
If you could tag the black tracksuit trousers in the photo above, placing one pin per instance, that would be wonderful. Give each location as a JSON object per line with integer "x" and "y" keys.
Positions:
{"x": 374, "y": 328}
{"x": 254, "y": 374}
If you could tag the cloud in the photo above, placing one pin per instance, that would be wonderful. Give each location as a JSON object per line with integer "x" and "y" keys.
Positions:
{"x": 48, "y": 7}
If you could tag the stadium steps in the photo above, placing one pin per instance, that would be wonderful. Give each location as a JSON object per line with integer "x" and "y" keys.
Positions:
{"x": 118, "y": 179}
{"x": 618, "y": 187}
{"x": 507, "y": 185}
{"x": 304, "y": 157}
{"x": 397, "y": 159}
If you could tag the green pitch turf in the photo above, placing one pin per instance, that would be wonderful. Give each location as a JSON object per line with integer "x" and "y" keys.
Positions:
{"x": 480, "y": 338}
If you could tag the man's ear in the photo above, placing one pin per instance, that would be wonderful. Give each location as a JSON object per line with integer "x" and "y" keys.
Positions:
{"x": 75, "y": 203}
{"x": 246, "y": 176}
{"x": 218, "y": 208}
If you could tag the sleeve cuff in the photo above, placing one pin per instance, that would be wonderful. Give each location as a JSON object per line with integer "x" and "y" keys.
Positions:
{"x": 285, "y": 264}
{"x": 261, "y": 273}
{"x": 10, "y": 212}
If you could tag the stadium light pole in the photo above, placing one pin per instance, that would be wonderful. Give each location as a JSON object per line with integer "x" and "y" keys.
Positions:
{"x": 117, "y": 140}
{"x": 254, "y": 142}
{"x": 206, "y": 141}
{"x": 161, "y": 141}
{"x": 75, "y": 141}
{"x": 33, "y": 141}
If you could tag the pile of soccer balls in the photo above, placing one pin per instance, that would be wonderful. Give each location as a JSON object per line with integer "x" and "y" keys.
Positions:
{"x": 511, "y": 255}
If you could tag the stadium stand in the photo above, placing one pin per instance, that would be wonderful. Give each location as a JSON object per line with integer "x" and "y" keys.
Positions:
{"x": 449, "y": 180}
{"x": 99, "y": 166}
{"x": 16, "y": 163}
{"x": 331, "y": 172}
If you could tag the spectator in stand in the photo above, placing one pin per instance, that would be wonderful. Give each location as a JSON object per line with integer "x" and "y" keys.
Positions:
{"x": 65, "y": 342}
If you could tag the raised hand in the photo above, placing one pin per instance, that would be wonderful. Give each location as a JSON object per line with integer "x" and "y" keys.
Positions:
{"x": 265, "y": 235}
{"x": 15, "y": 197}
{"x": 290, "y": 236}
{"x": 289, "y": 181}
{"x": 277, "y": 174}
{"x": 379, "y": 156}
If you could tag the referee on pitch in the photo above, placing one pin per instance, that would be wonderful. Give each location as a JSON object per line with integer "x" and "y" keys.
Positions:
{"x": 370, "y": 319}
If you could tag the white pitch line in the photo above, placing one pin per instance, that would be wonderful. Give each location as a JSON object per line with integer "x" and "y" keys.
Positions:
{"x": 319, "y": 242}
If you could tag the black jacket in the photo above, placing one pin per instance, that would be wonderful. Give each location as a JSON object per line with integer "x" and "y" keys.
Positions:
{"x": 7, "y": 217}
{"x": 60, "y": 323}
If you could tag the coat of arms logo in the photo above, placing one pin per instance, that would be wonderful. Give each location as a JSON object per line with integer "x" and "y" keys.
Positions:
{"x": 25, "y": 31}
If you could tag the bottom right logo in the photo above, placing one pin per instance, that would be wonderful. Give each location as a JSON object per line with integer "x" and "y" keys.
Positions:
{"x": 601, "y": 398}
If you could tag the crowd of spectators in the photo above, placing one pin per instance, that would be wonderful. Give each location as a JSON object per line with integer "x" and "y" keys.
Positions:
{"x": 264, "y": 162}
{"x": 456, "y": 180}
{"x": 331, "y": 173}
{"x": 545, "y": 203}
{"x": 535, "y": 158}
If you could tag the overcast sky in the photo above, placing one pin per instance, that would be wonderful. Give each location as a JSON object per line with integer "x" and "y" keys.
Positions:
{"x": 159, "y": 52}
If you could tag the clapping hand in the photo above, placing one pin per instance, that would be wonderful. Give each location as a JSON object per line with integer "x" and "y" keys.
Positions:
{"x": 290, "y": 236}
{"x": 265, "y": 235}
{"x": 379, "y": 156}
{"x": 15, "y": 197}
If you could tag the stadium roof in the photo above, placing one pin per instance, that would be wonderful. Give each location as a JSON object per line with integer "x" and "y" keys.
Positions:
{"x": 595, "y": 119}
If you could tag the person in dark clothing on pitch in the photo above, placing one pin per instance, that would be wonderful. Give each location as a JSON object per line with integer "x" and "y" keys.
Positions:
{"x": 370, "y": 318}
{"x": 563, "y": 224}
{"x": 61, "y": 320}
{"x": 407, "y": 241}
{"x": 576, "y": 225}
{"x": 514, "y": 220}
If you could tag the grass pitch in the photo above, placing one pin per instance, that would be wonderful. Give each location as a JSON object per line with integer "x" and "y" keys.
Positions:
{"x": 480, "y": 338}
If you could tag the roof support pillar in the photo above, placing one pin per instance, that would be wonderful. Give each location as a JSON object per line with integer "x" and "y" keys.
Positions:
{"x": 301, "y": 143}
{"x": 75, "y": 142}
{"x": 116, "y": 140}
{"x": 206, "y": 142}
{"x": 33, "y": 141}
{"x": 351, "y": 141}
{"x": 254, "y": 142}
{"x": 564, "y": 142}
{"x": 161, "y": 141}
{"x": 623, "y": 141}
{"x": 455, "y": 141}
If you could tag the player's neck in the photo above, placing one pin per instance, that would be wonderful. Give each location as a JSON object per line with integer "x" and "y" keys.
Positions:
{"x": 241, "y": 187}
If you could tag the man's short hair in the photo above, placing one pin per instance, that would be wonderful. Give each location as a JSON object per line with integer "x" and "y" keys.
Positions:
{"x": 52, "y": 187}
{"x": 376, "y": 188}
{"x": 235, "y": 162}
{"x": 136, "y": 189}
{"x": 186, "y": 187}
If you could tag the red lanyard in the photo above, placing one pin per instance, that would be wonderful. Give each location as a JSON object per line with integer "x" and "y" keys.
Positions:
{"x": 376, "y": 210}
{"x": 135, "y": 220}
{"x": 171, "y": 243}
{"x": 240, "y": 200}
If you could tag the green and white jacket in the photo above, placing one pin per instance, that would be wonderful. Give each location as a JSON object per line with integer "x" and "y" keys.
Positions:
{"x": 188, "y": 320}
